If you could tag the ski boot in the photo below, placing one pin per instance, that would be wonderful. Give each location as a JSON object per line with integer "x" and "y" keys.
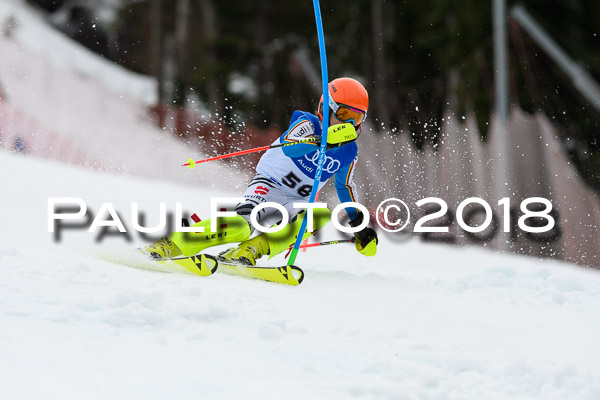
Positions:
{"x": 247, "y": 252}
{"x": 161, "y": 249}
{"x": 273, "y": 243}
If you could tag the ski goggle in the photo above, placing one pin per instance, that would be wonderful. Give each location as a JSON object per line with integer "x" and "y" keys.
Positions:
{"x": 345, "y": 113}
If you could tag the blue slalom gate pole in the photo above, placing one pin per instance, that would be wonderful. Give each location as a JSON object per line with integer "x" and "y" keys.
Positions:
{"x": 325, "y": 80}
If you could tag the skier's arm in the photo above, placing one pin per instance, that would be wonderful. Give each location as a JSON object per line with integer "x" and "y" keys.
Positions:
{"x": 301, "y": 129}
{"x": 346, "y": 188}
{"x": 365, "y": 239}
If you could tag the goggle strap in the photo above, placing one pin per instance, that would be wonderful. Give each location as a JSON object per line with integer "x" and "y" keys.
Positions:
{"x": 332, "y": 104}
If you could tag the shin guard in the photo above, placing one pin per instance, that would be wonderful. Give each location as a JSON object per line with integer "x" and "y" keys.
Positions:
{"x": 282, "y": 240}
{"x": 229, "y": 230}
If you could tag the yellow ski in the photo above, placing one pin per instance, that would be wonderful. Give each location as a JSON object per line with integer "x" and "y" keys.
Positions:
{"x": 201, "y": 264}
{"x": 287, "y": 274}
{"x": 205, "y": 265}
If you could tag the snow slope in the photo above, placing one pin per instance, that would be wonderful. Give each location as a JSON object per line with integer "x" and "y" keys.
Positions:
{"x": 69, "y": 104}
{"x": 418, "y": 321}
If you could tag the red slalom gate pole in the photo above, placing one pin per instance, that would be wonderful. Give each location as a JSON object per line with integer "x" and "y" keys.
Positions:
{"x": 191, "y": 163}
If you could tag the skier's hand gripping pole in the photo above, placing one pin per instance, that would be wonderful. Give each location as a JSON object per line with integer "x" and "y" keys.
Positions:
{"x": 365, "y": 240}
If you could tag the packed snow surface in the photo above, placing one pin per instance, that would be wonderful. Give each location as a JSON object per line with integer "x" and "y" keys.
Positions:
{"x": 418, "y": 321}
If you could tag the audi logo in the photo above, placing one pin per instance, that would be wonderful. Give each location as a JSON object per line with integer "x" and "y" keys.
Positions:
{"x": 329, "y": 165}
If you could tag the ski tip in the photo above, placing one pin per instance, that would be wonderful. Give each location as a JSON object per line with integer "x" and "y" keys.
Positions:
{"x": 297, "y": 273}
{"x": 215, "y": 265}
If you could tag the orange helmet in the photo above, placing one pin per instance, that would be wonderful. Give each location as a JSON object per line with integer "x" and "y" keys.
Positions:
{"x": 348, "y": 100}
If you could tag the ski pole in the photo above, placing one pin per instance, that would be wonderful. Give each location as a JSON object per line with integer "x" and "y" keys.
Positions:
{"x": 191, "y": 163}
{"x": 304, "y": 246}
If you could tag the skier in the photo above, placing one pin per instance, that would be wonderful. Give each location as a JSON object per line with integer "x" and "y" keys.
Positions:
{"x": 285, "y": 175}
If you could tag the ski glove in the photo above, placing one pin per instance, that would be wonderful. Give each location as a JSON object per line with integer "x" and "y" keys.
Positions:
{"x": 341, "y": 134}
{"x": 366, "y": 239}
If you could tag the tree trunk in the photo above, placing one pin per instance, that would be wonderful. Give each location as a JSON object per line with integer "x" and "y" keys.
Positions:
{"x": 181, "y": 49}
{"x": 377, "y": 21}
{"x": 158, "y": 48}
{"x": 209, "y": 24}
